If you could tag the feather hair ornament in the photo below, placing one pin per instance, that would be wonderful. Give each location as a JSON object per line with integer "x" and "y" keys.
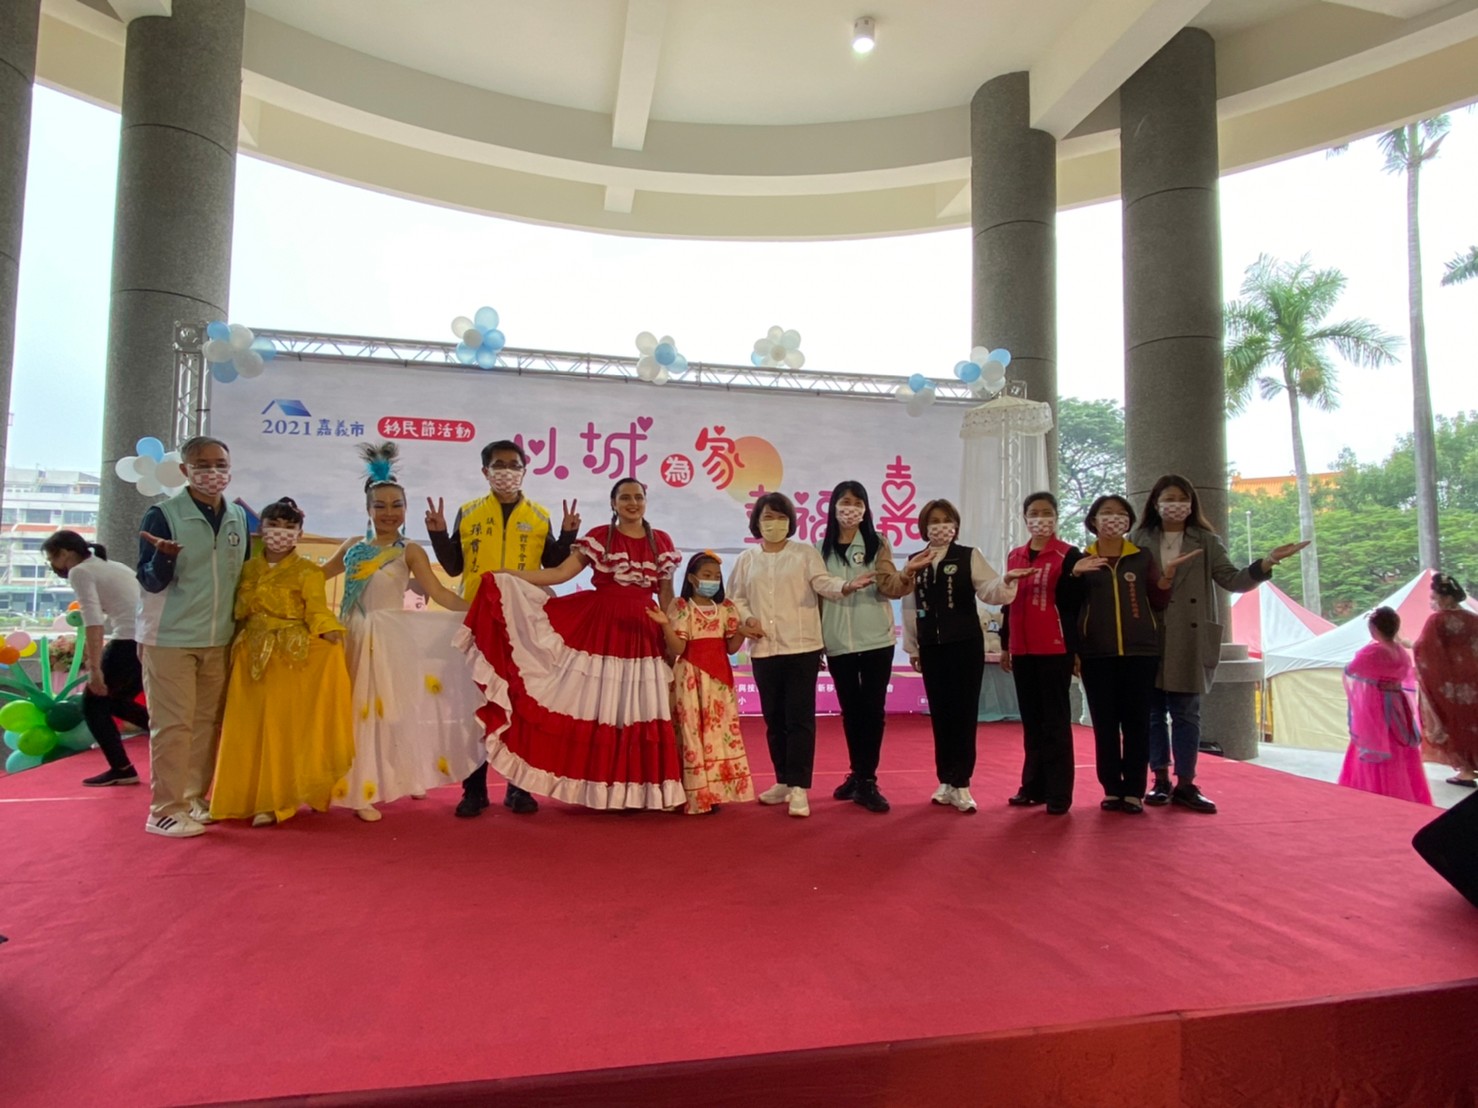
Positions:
{"x": 379, "y": 460}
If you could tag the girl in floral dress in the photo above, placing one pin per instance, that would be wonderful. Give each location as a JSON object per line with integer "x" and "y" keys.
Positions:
{"x": 702, "y": 631}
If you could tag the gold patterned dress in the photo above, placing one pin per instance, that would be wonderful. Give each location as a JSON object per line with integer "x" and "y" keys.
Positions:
{"x": 705, "y": 709}
{"x": 288, "y": 733}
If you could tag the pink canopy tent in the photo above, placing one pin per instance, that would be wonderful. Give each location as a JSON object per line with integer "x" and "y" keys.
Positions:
{"x": 1268, "y": 619}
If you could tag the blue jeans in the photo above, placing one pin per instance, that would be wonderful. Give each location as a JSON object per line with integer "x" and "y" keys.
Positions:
{"x": 1175, "y": 726}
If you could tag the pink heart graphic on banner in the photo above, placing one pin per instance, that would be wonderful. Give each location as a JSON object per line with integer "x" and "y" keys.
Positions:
{"x": 718, "y": 429}
{"x": 802, "y": 497}
{"x": 904, "y": 501}
{"x": 536, "y": 446}
{"x": 644, "y": 422}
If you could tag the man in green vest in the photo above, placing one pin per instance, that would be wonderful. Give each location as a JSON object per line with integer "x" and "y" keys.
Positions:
{"x": 191, "y": 551}
{"x": 503, "y": 530}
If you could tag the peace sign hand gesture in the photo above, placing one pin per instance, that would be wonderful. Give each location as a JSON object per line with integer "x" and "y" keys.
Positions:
{"x": 571, "y": 520}
{"x": 435, "y": 514}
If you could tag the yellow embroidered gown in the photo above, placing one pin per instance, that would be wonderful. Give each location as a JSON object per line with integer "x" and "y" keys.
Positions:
{"x": 288, "y": 733}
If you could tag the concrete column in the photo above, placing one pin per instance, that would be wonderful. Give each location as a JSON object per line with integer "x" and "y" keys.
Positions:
{"x": 19, "y": 23}
{"x": 1174, "y": 388}
{"x": 172, "y": 228}
{"x": 1013, "y": 216}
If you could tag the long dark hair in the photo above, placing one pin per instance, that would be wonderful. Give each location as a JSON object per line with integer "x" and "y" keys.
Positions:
{"x": 1152, "y": 520}
{"x": 74, "y": 543}
{"x": 695, "y": 563}
{"x": 870, "y": 541}
{"x": 615, "y": 519}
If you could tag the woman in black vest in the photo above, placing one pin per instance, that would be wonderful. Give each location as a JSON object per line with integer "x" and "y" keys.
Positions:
{"x": 943, "y": 639}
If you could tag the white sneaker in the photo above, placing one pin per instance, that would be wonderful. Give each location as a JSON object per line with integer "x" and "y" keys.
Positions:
{"x": 200, "y": 813}
{"x": 369, "y": 815}
{"x": 963, "y": 801}
{"x": 775, "y": 794}
{"x": 945, "y": 794}
{"x": 799, "y": 805}
{"x": 263, "y": 819}
{"x": 173, "y": 827}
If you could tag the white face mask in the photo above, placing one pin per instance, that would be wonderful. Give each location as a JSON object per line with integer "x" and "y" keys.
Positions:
{"x": 209, "y": 482}
{"x": 941, "y": 534}
{"x": 504, "y": 482}
{"x": 1176, "y": 511}
{"x": 774, "y": 530}
{"x": 1041, "y": 526}
{"x": 1112, "y": 526}
{"x": 279, "y": 540}
{"x": 850, "y": 516}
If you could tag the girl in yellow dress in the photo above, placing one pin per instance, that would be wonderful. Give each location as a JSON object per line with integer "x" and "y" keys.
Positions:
{"x": 288, "y": 733}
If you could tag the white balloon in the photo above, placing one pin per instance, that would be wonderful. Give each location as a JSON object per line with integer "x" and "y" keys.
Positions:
{"x": 795, "y": 359}
{"x": 646, "y": 342}
{"x": 994, "y": 373}
{"x": 143, "y": 466}
{"x": 927, "y": 395}
{"x": 460, "y": 326}
{"x": 249, "y": 363}
{"x": 669, "y": 340}
{"x": 124, "y": 468}
{"x": 980, "y": 354}
{"x": 647, "y": 369}
{"x": 472, "y": 337}
{"x": 148, "y": 486}
{"x": 775, "y": 333}
{"x": 217, "y": 350}
{"x": 790, "y": 340}
{"x": 777, "y": 353}
{"x": 762, "y": 346}
{"x": 663, "y": 376}
{"x": 168, "y": 472}
{"x": 241, "y": 337}
{"x": 903, "y": 392}
{"x": 646, "y": 361}
{"x": 917, "y": 404}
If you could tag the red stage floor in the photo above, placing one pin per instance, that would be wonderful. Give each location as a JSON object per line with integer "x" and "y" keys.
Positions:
{"x": 916, "y": 957}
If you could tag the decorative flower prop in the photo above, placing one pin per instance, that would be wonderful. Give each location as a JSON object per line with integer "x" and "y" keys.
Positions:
{"x": 917, "y": 392}
{"x": 660, "y": 360}
{"x": 232, "y": 351}
{"x": 985, "y": 372}
{"x": 778, "y": 348}
{"x": 479, "y": 338}
{"x": 41, "y": 723}
{"x": 151, "y": 470}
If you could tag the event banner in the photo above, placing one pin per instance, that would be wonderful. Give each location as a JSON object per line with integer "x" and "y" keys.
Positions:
{"x": 703, "y": 453}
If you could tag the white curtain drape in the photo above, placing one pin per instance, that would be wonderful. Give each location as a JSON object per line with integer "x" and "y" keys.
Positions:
{"x": 1005, "y": 457}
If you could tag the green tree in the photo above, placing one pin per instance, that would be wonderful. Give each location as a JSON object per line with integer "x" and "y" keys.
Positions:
{"x": 1090, "y": 456}
{"x": 1406, "y": 150}
{"x": 1278, "y": 340}
{"x": 1462, "y": 268}
{"x": 1392, "y": 482}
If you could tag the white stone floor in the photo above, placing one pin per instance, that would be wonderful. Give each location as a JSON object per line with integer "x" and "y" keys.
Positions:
{"x": 1323, "y": 765}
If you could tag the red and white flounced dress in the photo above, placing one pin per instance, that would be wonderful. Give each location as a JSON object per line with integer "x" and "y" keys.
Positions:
{"x": 577, "y": 687}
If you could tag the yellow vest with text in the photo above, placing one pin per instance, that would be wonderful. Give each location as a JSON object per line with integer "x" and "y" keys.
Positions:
{"x": 487, "y": 545}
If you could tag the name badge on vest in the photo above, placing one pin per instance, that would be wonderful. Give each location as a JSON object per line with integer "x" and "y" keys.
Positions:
{"x": 525, "y": 526}
{"x": 233, "y": 539}
{"x": 858, "y": 557}
{"x": 951, "y": 569}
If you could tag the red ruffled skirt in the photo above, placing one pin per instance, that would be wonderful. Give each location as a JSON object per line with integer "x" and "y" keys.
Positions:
{"x": 577, "y": 693}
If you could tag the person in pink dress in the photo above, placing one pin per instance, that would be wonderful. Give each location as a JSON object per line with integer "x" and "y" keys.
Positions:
{"x": 576, "y": 687}
{"x": 1385, "y": 745}
{"x": 702, "y": 630}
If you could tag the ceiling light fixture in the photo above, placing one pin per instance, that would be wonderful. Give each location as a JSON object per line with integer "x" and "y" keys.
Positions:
{"x": 864, "y": 35}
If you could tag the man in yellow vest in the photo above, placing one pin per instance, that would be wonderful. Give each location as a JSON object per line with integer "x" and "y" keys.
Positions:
{"x": 503, "y": 530}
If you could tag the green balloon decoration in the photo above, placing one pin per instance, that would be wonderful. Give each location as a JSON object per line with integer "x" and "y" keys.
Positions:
{"x": 75, "y": 739}
{"x": 64, "y": 716}
{"x": 21, "y": 715}
{"x": 42, "y": 722}
{"x": 38, "y": 741}
{"x": 18, "y": 761}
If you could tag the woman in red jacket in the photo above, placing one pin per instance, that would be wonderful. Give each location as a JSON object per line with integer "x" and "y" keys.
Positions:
{"x": 1035, "y": 651}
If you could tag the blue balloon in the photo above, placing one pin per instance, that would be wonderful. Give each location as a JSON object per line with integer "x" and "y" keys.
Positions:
{"x": 494, "y": 340}
{"x": 19, "y": 761}
{"x": 150, "y": 447}
{"x": 13, "y": 739}
{"x": 218, "y": 330}
{"x": 665, "y": 353}
{"x": 224, "y": 372}
{"x": 968, "y": 372}
{"x": 467, "y": 355}
{"x": 266, "y": 348}
{"x": 679, "y": 365}
{"x": 917, "y": 382}
{"x": 757, "y": 359}
{"x": 1002, "y": 355}
{"x": 486, "y": 358}
{"x": 486, "y": 319}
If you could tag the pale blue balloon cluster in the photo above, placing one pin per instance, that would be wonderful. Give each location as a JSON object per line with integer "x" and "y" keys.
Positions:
{"x": 232, "y": 351}
{"x": 660, "y": 359}
{"x": 984, "y": 372}
{"x": 480, "y": 338}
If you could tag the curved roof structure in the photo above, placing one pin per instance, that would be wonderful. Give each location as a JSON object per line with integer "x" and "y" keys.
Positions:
{"x": 756, "y": 119}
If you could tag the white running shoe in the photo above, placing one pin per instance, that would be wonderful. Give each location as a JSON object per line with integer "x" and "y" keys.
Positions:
{"x": 799, "y": 804}
{"x": 200, "y": 813}
{"x": 945, "y": 794}
{"x": 963, "y": 801}
{"x": 173, "y": 827}
{"x": 263, "y": 819}
{"x": 369, "y": 815}
{"x": 775, "y": 794}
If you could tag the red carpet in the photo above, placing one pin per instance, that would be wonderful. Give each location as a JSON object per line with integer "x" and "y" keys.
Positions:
{"x": 920, "y": 956}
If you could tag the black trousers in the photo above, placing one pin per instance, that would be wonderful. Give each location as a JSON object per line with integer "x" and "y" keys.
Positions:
{"x": 476, "y": 784}
{"x": 787, "y": 688}
{"x": 861, "y": 681}
{"x": 1119, "y": 692}
{"x": 952, "y": 675}
{"x": 1043, "y": 684}
{"x": 124, "y": 676}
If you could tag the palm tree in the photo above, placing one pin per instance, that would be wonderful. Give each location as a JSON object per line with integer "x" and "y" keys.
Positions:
{"x": 1462, "y": 268}
{"x": 1277, "y": 339}
{"x": 1405, "y": 149}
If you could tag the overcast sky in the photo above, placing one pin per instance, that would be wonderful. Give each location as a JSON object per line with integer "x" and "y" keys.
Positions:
{"x": 311, "y": 254}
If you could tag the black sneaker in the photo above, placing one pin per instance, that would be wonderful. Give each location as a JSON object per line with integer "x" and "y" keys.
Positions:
{"x": 847, "y": 790}
{"x": 1159, "y": 794}
{"x": 519, "y": 802}
{"x": 1021, "y": 800}
{"x": 129, "y": 776}
{"x": 1058, "y": 807}
{"x": 1112, "y": 804}
{"x": 1189, "y": 796}
{"x": 866, "y": 794}
{"x": 471, "y": 805}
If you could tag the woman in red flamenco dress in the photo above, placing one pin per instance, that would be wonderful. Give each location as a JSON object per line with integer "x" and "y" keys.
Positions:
{"x": 576, "y": 687}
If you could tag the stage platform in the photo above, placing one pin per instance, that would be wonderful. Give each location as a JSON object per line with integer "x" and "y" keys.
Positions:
{"x": 1291, "y": 950}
